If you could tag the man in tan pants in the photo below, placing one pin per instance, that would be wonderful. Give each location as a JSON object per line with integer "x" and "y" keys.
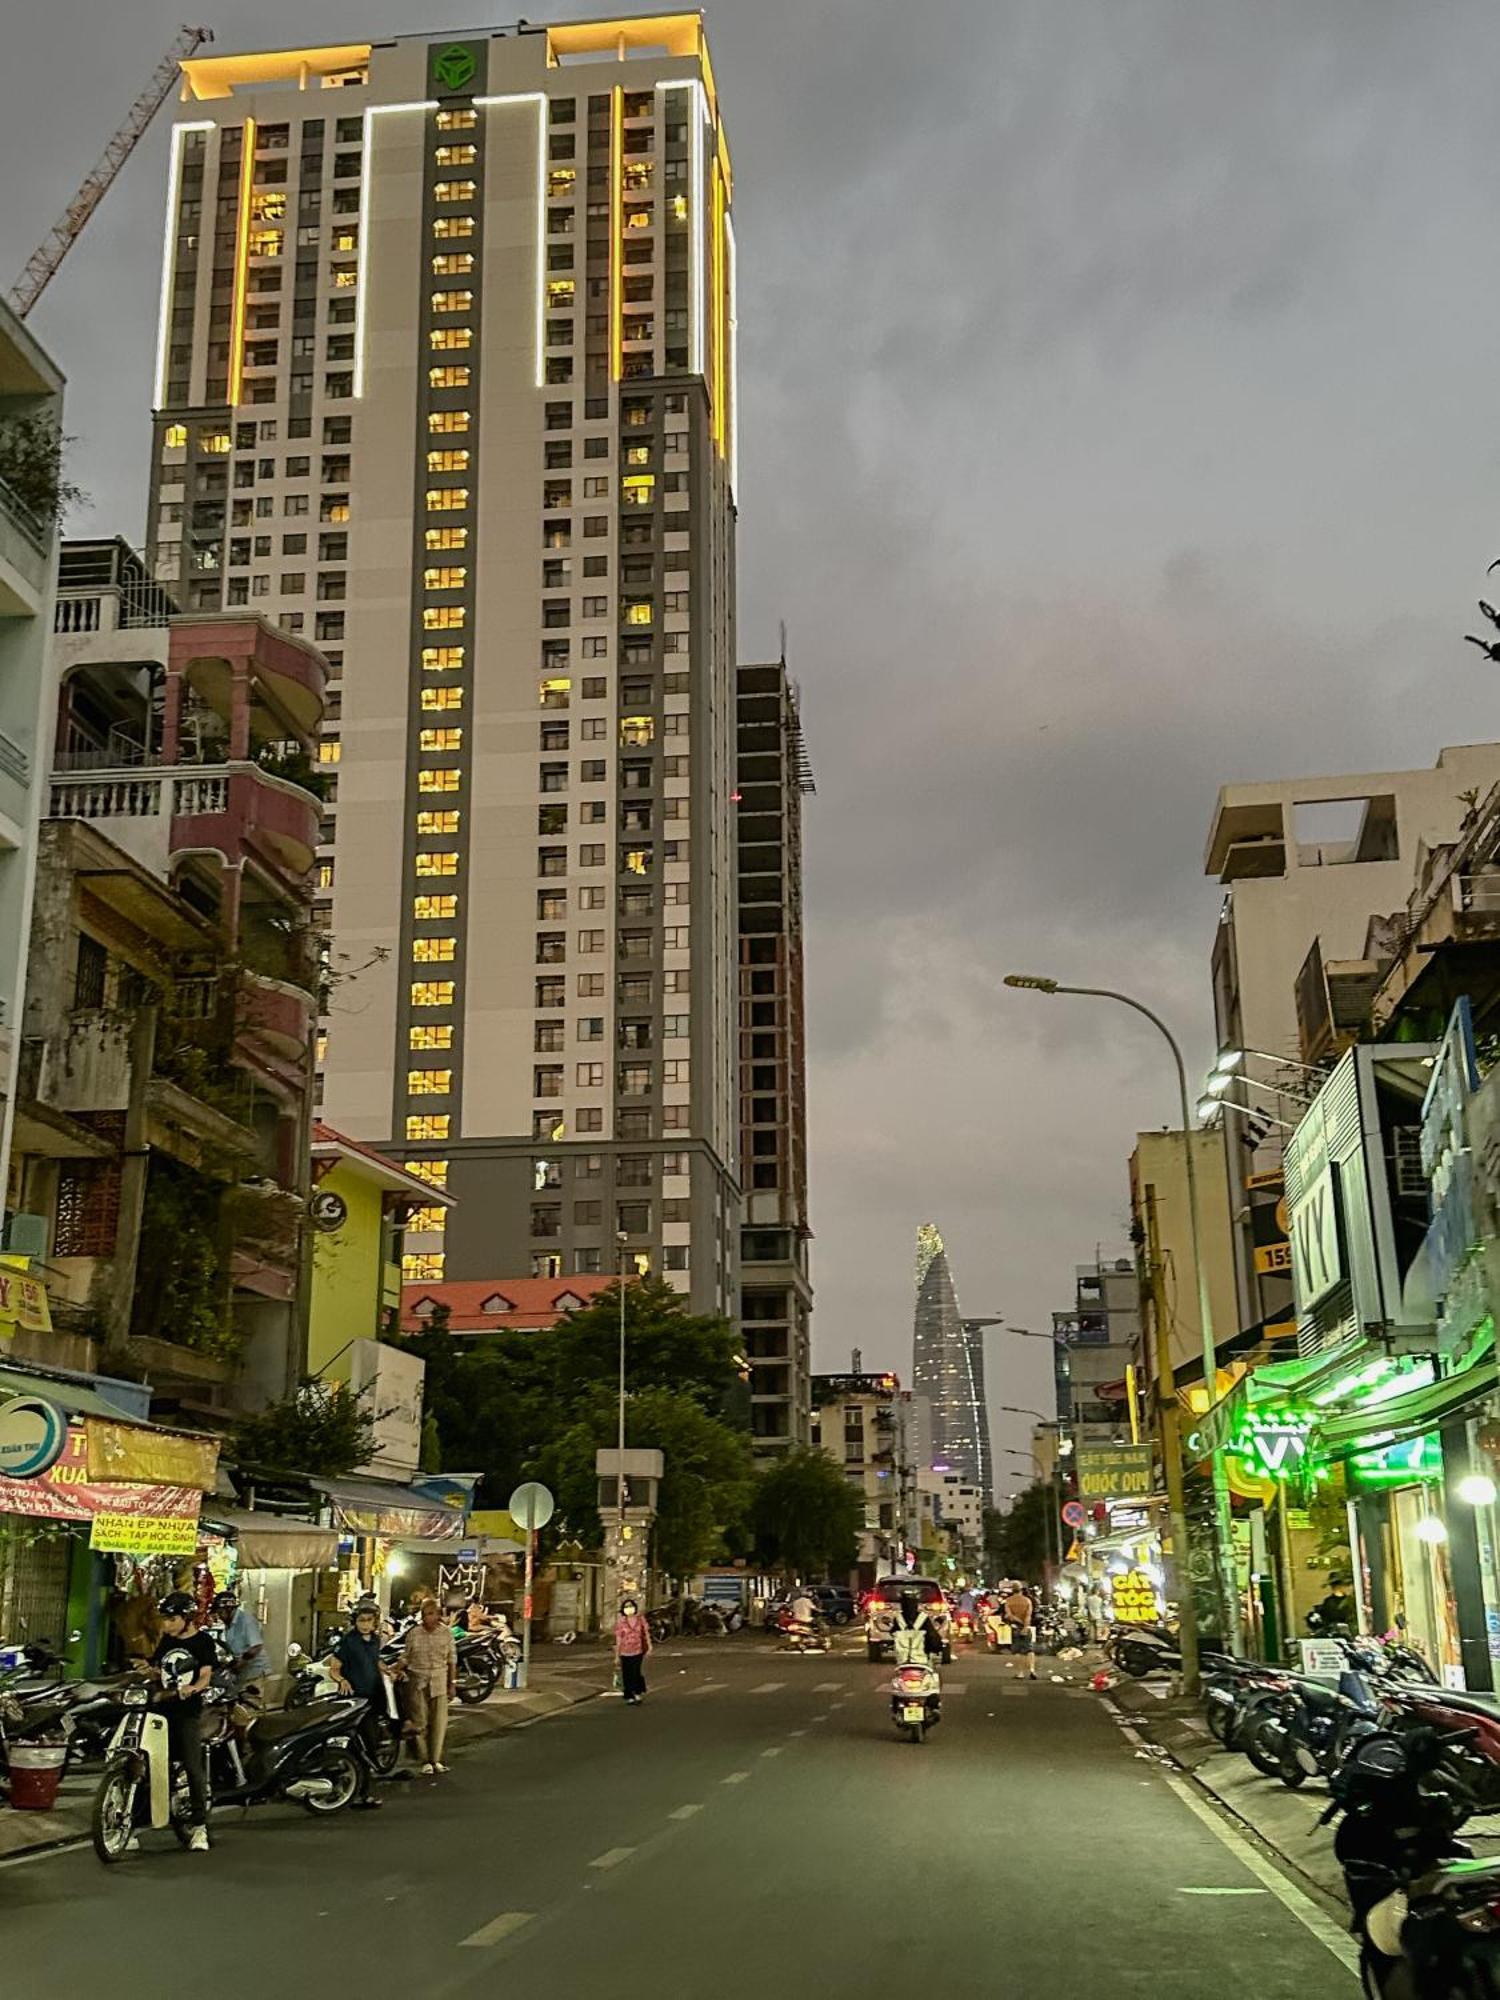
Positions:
{"x": 430, "y": 1664}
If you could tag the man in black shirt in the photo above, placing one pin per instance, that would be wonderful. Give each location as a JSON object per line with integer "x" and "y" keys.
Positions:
{"x": 1335, "y": 1615}
{"x": 355, "y": 1664}
{"x": 185, "y": 1659}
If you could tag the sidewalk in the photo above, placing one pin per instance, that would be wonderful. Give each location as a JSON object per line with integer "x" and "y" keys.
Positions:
{"x": 1283, "y": 1820}
{"x": 552, "y": 1690}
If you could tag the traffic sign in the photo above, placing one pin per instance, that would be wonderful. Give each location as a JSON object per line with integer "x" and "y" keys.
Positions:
{"x": 531, "y": 1505}
{"x": 1075, "y": 1513}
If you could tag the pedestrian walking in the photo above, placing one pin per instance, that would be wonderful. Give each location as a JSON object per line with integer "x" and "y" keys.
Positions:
{"x": 632, "y": 1644}
{"x": 430, "y": 1664}
{"x": 1020, "y": 1615}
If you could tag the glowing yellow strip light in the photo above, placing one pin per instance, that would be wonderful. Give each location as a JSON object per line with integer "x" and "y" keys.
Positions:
{"x": 362, "y": 272}
{"x": 616, "y": 232}
{"x": 734, "y": 355}
{"x": 241, "y": 262}
{"x": 698, "y": 118}
{"x": 169, "y": 253}
{"x": 539, "y": 99}
{"x": 719, "y": 312}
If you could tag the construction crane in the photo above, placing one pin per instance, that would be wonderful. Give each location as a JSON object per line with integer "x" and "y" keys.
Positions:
{"x": 60, "y": 239}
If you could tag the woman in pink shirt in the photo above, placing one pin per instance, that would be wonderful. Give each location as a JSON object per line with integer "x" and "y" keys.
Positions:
{"x": 632, "y": 1644}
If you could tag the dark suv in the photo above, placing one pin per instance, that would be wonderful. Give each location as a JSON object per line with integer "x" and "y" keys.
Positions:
{"x": 835, "y": 1602}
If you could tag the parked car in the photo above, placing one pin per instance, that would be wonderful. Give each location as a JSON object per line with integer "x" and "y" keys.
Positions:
{"x": 835, "y": 1601}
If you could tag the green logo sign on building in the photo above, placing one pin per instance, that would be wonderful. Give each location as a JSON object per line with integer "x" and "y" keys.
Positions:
{"x": 454, "y": 67}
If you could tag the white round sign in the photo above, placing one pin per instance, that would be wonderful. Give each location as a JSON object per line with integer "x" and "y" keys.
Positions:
{"x": 531, "y": 1505}
{"x": 33, "y": 1432}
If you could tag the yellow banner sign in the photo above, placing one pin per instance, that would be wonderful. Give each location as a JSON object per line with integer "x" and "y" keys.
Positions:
{"x": 1133, "y": 1598}
{"x": 23, "y": 1302}
{"x": 158, "y": 1458}
{"x": 143, "y": 1534}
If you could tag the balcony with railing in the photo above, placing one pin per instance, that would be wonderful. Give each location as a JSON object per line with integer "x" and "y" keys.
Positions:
{"x": 224, "y": 809}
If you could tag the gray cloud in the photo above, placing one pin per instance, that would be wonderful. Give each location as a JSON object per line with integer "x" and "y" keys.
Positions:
{"x": 1118, "y": 416}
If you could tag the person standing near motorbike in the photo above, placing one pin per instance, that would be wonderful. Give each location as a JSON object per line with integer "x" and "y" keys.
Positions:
{"x": 356, "y": 1665}
{"x": 185, "y": 1659}
{"x": 430, "y": 1664}
{"x": 245, "y": 1643}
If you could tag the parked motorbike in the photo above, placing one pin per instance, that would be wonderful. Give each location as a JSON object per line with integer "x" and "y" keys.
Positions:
{"x": 1139, "y": 1650}
{"x": 1427, "y": 1915}
{"x": 311, "y": 1682}
{"x": 480, "y": 1660}
{"x": 311, "y": 1756}
{"x": 916, "y": 1700}
{"x": 1307, "y": 1728}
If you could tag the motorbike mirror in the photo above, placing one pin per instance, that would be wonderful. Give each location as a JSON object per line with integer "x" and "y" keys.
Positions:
{"x": 75, "y": 1638}
{"x": 294, "y": 1651}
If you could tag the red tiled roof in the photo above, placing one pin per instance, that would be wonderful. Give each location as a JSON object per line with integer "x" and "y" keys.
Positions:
{"x": 531, "y": 1303}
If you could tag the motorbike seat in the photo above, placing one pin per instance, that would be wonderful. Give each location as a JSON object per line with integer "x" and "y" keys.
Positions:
{"x": 269, "y": 1729}
{"x": 1428, "y": 1693}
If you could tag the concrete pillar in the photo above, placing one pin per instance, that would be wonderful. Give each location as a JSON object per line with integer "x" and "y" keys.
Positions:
{"x": 239, "y": 710}
{"x": 171, "y": 721}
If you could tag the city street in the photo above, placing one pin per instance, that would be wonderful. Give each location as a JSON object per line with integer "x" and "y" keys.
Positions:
{"x": 756, "y": 1826}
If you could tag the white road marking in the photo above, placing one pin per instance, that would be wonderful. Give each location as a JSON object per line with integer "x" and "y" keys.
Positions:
{"x": 736, "y": 1778}
{"x": 684, "y": 1812}
{"x": 1286, "y": 1893}
{"x": 612, "y": 1858}
{"x": 497, "y": 1928}
{"x": 768, "y": 1687}
{"x": 830, "y": 1687}
{"x": 1221, "y": 1892}
{"x": 774, "y": 1751}
{"x": 796, "y": 1732}
{"x": 955, "y": 1687}
{"x": 710, "y": 1687}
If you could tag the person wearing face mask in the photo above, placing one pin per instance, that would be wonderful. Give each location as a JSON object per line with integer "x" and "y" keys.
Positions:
{"x": 632, "y": 1644}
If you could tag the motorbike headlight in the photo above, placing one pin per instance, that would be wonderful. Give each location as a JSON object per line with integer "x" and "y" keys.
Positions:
{"x": 136, "y": 1697}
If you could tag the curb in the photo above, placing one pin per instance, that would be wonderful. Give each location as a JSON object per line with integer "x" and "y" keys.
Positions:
{"x": 1165, "y": 1735}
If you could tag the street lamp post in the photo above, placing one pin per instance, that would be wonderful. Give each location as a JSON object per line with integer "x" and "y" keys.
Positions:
{"x": 1223, "y": 1549}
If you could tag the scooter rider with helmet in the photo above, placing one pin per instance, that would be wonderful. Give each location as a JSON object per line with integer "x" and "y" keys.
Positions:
{"x": 185, "y": 1658}
{"x": 916, "y": 1639}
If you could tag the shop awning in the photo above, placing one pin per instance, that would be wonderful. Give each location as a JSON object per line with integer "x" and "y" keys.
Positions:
{"x": 120, "y": 1446}
{"x": 273, "y": 1541}
{"x": 381, "y": 1507}
{"x": 1404, "y": 1417}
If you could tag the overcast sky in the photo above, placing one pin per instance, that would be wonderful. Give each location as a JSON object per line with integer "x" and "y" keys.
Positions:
{"x": 1119, "y": 420}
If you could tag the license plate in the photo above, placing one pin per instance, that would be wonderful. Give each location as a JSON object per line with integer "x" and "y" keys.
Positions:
{"x": 914, "y": 1711}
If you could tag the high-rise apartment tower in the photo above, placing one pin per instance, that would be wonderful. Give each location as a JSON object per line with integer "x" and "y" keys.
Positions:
{"x": 446, "y": 382}
{"x": 775, "y": 1291}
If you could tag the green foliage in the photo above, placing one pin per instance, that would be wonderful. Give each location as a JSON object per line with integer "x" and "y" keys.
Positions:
{"x": 707, "y": 1477}
{"x": 182, "y": 1272}
{"x": 1017, "y": 1543}
{"x": 807, "y": 1517}
{"x": 31, "y": 465}
{"x": 500, "y": 1400}
{"x": 323, "y": 1428}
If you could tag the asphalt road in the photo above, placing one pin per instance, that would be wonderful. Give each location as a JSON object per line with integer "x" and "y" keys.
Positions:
{"x": 755, "y": 1828}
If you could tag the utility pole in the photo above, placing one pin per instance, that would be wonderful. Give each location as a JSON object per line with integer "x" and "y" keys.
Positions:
{"x": 1169, "y": 1430}
{"x": 1223, "y": 1538}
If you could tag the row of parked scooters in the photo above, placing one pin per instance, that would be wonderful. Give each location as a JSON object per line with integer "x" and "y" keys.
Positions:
{"x": 322, "y": 1751}
{"x": 1407, "y": 1763}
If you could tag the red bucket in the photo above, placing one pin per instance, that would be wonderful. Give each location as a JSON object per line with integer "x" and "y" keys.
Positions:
{"x": 35, "y": 1775}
